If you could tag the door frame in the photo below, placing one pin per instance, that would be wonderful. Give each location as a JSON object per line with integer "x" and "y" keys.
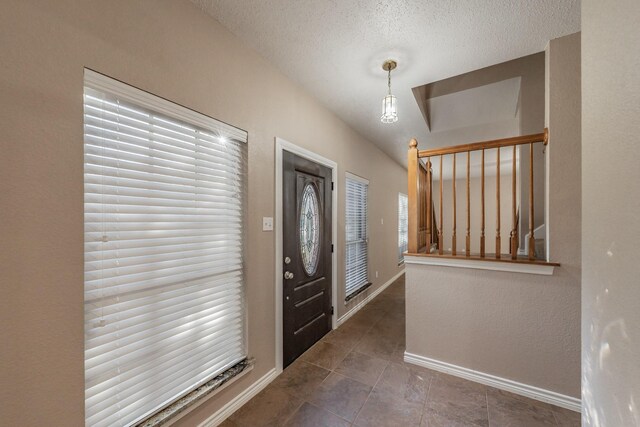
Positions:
{"x": 283, "y": 145}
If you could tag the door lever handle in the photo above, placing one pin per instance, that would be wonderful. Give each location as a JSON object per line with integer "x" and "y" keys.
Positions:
{"x": 288, "y": 275}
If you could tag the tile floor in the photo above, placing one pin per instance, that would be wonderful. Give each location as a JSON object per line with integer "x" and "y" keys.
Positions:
{"x": 356, "y": 376}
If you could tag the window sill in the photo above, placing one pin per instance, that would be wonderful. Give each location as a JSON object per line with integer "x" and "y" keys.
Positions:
{"x": 185, "y": 404}
{"x": 508, "y": 265}
{"x": 358, "y": 292}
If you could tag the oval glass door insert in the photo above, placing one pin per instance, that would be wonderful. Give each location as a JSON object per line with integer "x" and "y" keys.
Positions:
{"x": 309, "y": 229}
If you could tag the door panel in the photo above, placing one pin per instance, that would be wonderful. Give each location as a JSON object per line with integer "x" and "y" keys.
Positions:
{"x": 306, "y": 254}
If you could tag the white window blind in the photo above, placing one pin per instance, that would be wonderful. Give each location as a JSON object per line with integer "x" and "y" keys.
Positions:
{"x": 164, "y": 198}
{"x": 403, "y": 225}
{"x": 357, "y": 260}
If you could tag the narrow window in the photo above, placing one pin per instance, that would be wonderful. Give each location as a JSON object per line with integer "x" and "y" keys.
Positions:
{"x": 164, "y": 192}
{"x": 403, "y": 226}
{"x": 357, "y": 260}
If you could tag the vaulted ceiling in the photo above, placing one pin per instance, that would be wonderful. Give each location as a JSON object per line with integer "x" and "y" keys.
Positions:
{"x": 335, "y": 49}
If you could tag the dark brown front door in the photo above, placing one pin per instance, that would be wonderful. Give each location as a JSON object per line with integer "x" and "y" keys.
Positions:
{"x": 306, "y": 262}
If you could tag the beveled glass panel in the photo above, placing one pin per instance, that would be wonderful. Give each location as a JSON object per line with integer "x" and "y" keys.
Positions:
{"x": 309, "y": 229}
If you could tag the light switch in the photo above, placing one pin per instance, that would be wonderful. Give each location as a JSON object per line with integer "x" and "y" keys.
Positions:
{"x": 267, "y": 223}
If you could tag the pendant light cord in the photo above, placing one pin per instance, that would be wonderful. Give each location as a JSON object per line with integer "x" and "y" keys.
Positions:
{"x": 389, "y": 80}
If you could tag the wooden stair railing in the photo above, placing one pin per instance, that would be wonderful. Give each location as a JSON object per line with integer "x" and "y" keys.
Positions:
{"x": 423, "y": 221}
{"x": 426, "y": 212}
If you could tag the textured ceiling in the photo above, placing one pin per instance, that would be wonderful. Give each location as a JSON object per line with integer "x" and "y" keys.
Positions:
{"x": 335, "y": 48}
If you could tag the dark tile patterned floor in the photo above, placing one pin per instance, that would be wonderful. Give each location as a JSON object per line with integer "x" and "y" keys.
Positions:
{"x": 356, "y": 376}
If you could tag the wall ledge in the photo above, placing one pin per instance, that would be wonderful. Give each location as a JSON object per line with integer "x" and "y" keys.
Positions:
{"x": 243, "y": 397}
{"x": 537, "y": 393}
{"x": 526, "y": 267}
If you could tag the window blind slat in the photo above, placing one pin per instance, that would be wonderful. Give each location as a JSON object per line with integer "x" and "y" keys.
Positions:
{"x": 93, "y": 236}
{"x": 133, "y": 409}
{"x": 139, "y": 251}
{"x": 178, "y": 290}
{"x": 95, "y": 174}
{"x": 131, "y": 384}
{"x": 403, "y": 225}
{"x": 164, "y": 201}
{"x": 111, "y": 147}
{"x": 356, "y": 251}
{"x": 150, "y": 245}
{"x": 131, "y": 357}
{"x": 101, "y": 387}
{"x": 126, "y": 131}
{"x": 135, "y": 328}
{"x": 115, "y": 167}
{"x": 134, "y": 282}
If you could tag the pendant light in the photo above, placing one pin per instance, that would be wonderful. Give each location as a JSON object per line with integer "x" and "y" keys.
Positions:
{"x": 389, "y": 102}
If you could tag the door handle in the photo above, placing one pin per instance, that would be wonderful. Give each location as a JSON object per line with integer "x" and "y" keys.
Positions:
{"x": 288, "y": 275}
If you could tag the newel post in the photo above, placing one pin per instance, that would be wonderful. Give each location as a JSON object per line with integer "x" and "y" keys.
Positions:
{"x": 412, "y": 193}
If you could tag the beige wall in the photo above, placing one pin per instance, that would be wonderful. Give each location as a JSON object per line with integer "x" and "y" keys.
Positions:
{"x": 564, "y": 193}
{"x": 610, "y": 206}
{"x": 171, "y": 49}
{"x": 522, "y": 327}
{"x": 484, "y": 132}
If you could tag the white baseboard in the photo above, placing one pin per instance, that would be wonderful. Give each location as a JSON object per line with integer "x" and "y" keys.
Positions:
{"x": 532, "y": 392}
{"x": 234, "y": 404}
{"x": 369, "y": 297}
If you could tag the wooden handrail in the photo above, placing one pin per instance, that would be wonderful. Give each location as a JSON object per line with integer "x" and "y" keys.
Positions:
{"x": 467, "y": 250}
{"x": 412, "y": 196}
{"x": 429, "y": 207}
{"x": 453, "y": 197}
{"x": 485, "y": 145}
{"x": 532, "y": 241}
{"x": 440, "y": 230}
{"x": 426, "y": 224}
{"x": 513, "y": 241}
{"x": 482, "y": 236}
{"x": 498, "y": 238}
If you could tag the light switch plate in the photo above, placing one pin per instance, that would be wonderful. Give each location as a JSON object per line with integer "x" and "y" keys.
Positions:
{"x": 267, "y": 223}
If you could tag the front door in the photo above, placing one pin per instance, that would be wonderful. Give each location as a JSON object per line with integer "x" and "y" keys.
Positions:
{"x": 306, "y": 259}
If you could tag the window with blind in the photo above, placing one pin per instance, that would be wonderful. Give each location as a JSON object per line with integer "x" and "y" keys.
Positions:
{"x": 403, "y": 225}
{"x": 164, "y": 192}
{"x": 357, "y": 260}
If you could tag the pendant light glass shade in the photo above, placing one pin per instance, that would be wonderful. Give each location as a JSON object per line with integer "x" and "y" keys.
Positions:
{"x": 389, "y": 102}
{"x": 389, "y": 109}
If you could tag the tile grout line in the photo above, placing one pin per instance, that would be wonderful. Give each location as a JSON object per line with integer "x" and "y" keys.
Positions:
{"x": 338, "y": 373}
{"x": 371, "y": 391}
{"x": 293, "y": 413}
{"x": 424, "y": 405}
{"x": 554, "y": 417}
{"x": 341, "y": 374}
{"x": 332, "y": 413}
{"x": 383, "y": 371}
{"x": 324, "y": 409}
{"x": 306, "y": 398}
{"x": 387, "y": 363}
{"x": 486, "y": 398}
{"x": 323, "y": 367}
{"x": 366, "y": 327}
